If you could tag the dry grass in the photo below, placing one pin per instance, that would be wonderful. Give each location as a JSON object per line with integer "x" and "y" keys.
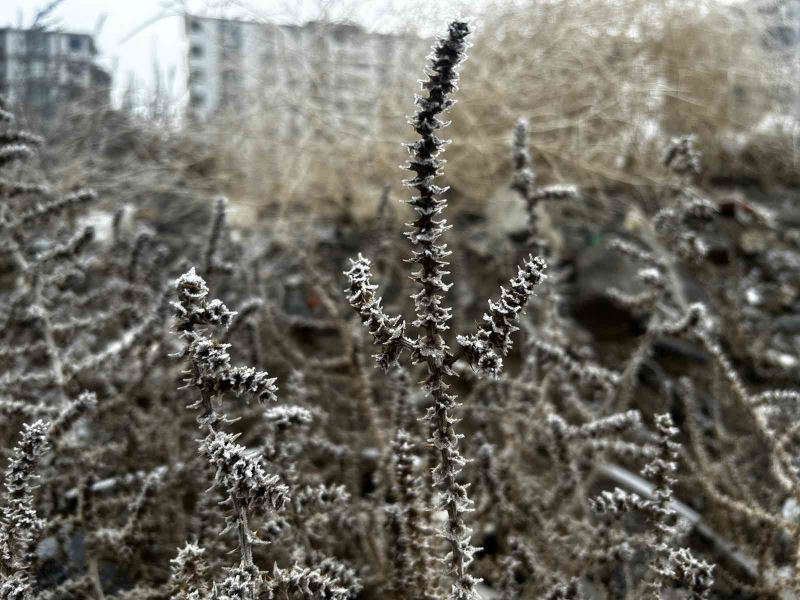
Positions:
{"x": 603, "y": 83}
{"x": 600, "y": 80}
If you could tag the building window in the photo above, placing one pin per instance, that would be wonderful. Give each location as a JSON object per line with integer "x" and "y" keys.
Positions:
{"x": 17, "y": 43}
{"x": 231, "y": 77}
{"x": 75, "y": 43}
{"x": 197, "y": 100}
{"x": 37, "y": 42}
{"x": 196, "y": 75}
{"x": 38, "y": 93}
{"x": 37, "y": 68}
{"x": 196, "y": 26}
{"x": 76, "y": 69}
{"x": 231, "y": 35}
{"x": 196, "y": 51}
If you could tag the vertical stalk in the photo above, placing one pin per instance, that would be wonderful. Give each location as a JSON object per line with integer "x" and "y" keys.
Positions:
{"x": 430, "y": 346}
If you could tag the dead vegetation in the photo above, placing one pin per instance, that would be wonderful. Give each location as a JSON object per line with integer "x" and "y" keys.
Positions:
{"x": 619, "y": 421}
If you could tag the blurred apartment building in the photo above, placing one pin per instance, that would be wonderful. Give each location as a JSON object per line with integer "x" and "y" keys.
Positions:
{"x": 41, "y": 69}
{"x": 781, "y": 21}
{"x": 303, "y": 79}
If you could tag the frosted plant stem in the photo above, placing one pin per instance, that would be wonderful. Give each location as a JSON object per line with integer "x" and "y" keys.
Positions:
{"x": 53, "y": 353}
{"x": 94, "y": 575}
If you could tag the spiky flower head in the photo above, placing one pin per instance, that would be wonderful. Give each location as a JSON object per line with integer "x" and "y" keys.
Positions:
{"x": 188, "y": 568}
{"x": 425, "y": 163}
{"x": 20, "y": 526}
{"x": 386, "y": 331}
{"x": 486, "y": 348}
{"x": 192, "y": 308}
{"x": 215, "y": 374}
{"x": 242, "y": 476}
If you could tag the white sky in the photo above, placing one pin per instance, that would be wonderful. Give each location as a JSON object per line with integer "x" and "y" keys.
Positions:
{"x": 141, "y": 37}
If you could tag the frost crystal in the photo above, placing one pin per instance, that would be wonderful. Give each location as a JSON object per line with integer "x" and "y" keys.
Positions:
{"x": 216, "y": 375}
{"x": 304, "y": 583}
{"x": 192, "y": 309}
{"x": 284, "y": 417}
{"x": 243, "y": 476}
{"x": 20, "y": 526}
{"x": 188, "y": 568}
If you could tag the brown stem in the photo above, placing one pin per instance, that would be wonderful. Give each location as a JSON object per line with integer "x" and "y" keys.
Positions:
{"x": 94, "y": 576}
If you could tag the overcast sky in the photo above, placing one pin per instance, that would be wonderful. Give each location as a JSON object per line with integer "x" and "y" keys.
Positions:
{"x": 137, "y": 38}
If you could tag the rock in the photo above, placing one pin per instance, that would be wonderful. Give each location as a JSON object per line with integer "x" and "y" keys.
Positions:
{"x": 788, "y": 324}
{"x": 597, "y": 269}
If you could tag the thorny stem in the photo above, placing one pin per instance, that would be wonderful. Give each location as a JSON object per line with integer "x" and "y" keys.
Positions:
{"x": 47, "y": 331}
{"x": 669, "y": 263}
{"x": 44, "y": 316}
{"x": 16, "y": 251}
{"x": 94, "y": 576}
{"x": 246, "y": 548}
{"x": 432, "y": 317}
{"x": 242, "y": 521}
{"x": 644, "y": 488}
{"x": 456, "y": 525}
{"x": 678, "y": 293}
{"x": 523, "y": 184}
{"x": 208, "y": 407}
{"x": 246, "y": 484}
